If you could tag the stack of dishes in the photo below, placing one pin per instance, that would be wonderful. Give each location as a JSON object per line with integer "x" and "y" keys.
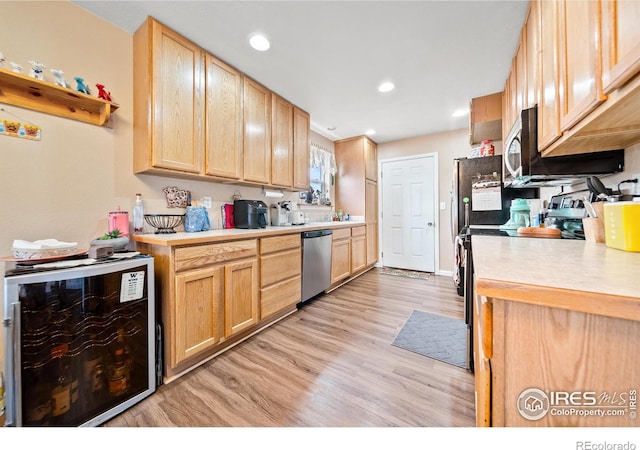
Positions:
{"x": 42, "y": 249}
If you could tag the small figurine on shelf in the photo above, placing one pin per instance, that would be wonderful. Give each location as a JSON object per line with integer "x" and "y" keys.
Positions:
{"x": 37, "y": 70}
{"x": 15, "y": 67}
{"x": 81, "y": 86}
{"x": 104, "y": 95}
{"x": 59, "y": 78}
{"x": 2, "y": 60}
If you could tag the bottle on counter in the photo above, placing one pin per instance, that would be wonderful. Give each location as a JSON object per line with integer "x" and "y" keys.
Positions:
{"x": 138, "y": 215}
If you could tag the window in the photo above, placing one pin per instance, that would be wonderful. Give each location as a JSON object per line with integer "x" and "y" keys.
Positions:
{"x": 321, "y": 172}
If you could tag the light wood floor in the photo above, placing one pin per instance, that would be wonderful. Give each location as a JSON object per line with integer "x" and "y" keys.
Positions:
{"x": 331, "y": 364}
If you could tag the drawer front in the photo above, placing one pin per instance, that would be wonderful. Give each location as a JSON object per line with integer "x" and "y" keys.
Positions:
{"x": 280, "y": 296}
{"x": 358, "y": 231}
{"x": 341, "y": 233}
{"x": 278, "y": 243}
{"x": 280, "y": 266}
{"x": 203, "y": 255}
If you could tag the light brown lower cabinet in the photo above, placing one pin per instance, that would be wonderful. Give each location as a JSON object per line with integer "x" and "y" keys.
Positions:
{"x": 213, "y": 295}
{"x": 358, "y": 249}
{"x": 210, "y": 299}
{"x": 280, "y": 274}
{"x": 200, "y": 301}
{"x": 541, "y": 366}
{"x": 340, "y": 255}
{"x": 372, "y": 243}
{"x": 240, "y": 296}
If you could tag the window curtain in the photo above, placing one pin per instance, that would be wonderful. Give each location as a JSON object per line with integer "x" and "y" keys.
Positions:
{"x": 323, "y": 159}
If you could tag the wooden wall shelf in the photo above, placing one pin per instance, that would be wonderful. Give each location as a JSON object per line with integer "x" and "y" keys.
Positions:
{"x": 21, "y": 90}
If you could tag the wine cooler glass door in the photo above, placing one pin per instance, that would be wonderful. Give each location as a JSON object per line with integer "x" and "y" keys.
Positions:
{"x": 82, "y": 346}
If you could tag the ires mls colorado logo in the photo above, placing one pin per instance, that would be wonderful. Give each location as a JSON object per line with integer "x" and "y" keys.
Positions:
{"x": 534, "y": 404}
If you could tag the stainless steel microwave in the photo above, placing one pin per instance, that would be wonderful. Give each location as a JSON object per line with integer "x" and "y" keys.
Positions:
{"x": 524, "y": 166}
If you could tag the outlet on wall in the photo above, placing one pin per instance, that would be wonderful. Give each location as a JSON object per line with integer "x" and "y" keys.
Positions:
{"x": 635, "y": 188}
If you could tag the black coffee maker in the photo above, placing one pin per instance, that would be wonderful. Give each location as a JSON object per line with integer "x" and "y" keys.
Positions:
{"x": 250, "y": 214}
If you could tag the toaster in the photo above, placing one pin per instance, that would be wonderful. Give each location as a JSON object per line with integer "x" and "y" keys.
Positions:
{"x": 297, "y": 217}
{"x": 250, "y": 214}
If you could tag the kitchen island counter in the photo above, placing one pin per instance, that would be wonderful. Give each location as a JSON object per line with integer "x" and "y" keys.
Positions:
{"x": 211, "y": 236}
{"x": 555, "y": 333}
{"x": 562, "y": 273}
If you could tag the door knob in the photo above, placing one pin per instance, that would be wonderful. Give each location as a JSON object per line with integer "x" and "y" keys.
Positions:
{"x": 430, "y": 224}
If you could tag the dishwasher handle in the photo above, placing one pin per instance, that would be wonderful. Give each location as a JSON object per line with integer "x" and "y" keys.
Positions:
{"x": 316, "y": 233}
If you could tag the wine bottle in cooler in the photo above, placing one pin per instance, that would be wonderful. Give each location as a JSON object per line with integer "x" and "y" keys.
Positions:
{"x": 61, "y": 390}
{"x": 120, "y": 369}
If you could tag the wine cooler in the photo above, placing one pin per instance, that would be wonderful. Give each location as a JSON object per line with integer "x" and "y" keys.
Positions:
{"x": 79, "y": 342}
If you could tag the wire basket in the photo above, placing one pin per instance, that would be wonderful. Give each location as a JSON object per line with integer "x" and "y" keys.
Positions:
{"x": 164, "y": 223}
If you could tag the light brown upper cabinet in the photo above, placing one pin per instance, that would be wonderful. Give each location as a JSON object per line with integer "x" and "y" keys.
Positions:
{"x": 281, "y": 142}
{"x": 168, "y": 101}
{"x": 620, "y": 42}
{"x": 353, "y": 158}
{"x": 584, "y": 59}
{"x": 548, "y": 99}
{"x": 223, "y": 124}
{"x": 197, "y": 117}
{"x": 512, "y": 102}
{"x": 257, "y": 132}
{"x": 520, "y": 76}
{"x": 485, "y": 118}
{"x": 370, "y": 159}
{"x": 580, "y": 55}
{"x": 301, "y": 148}
{"x": 531, "y": 36}
{"x": 356, "y": 191}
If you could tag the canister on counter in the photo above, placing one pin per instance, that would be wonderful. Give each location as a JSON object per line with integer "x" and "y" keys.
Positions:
{"x": 487, "y": 148}
{"x": 622, "y": 225}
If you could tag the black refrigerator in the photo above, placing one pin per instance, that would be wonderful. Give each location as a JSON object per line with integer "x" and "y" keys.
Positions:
{"x": 480, "y": 181}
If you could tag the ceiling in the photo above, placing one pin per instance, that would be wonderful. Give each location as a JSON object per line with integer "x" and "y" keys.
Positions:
{"x": 328, "y": 57}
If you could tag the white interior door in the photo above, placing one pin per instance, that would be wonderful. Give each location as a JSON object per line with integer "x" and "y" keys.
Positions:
{"x": 408, "y": 214}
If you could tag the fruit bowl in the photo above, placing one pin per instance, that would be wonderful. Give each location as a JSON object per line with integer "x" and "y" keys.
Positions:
{"x": 164, "y": 223}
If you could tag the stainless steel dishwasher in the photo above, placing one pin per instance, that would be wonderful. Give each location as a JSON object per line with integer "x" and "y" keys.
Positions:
{"x": 316, "y": 262}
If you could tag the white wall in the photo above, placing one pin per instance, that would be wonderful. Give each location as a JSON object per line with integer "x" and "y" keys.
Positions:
{"x": 448, "y": 145}
{"x": 455, "y": 144}
{"x": 64, "y": 186}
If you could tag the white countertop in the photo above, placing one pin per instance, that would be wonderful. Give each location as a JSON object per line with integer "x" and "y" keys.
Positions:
{"x": 573, "y": 274}
{"x": 560, "y": 263}
{"x": 184, "y": 238}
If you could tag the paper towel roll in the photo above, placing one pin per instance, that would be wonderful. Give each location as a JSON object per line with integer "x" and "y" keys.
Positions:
{"x": 272, "y": 194}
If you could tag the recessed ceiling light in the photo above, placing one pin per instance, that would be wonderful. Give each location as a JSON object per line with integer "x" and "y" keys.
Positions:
{"x": 460, "y": 112}
{"x": 259, "y": 42}
{"x": 370, "y": 132}
{"x": 386, "y": 87}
